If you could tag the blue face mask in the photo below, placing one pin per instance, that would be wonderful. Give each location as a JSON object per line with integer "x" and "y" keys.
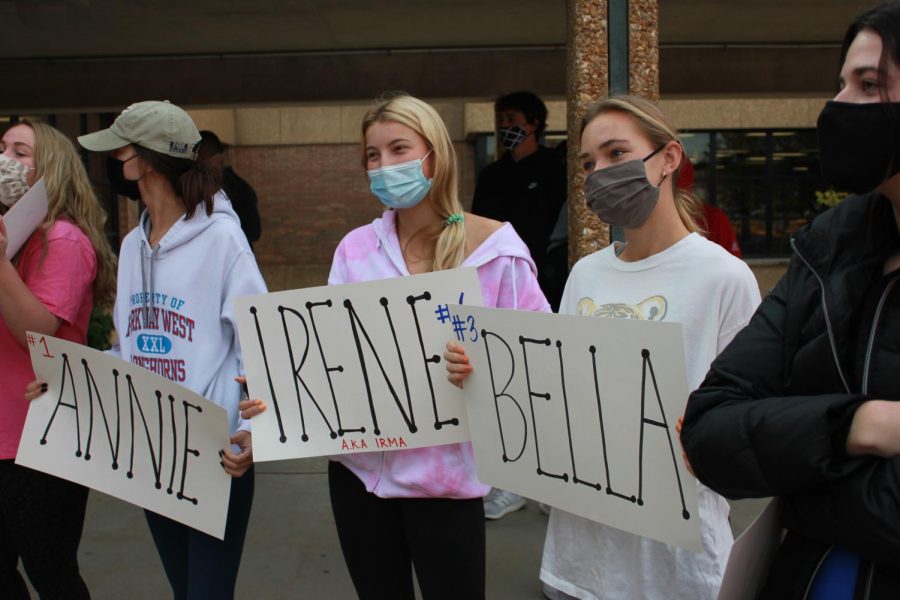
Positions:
{"x": 402, "y": 185}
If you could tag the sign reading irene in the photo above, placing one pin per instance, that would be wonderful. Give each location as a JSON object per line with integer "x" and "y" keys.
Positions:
{"x": 355, "y": 368}
{"x": 118, "y": 428}
{"x": 580, "y": 413}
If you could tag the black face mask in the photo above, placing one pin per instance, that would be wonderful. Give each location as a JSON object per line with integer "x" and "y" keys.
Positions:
{"x": 859, "y": 144}
{"x": 115, "y": 173}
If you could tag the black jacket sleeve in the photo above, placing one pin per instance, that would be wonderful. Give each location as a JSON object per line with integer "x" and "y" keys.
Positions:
{"x": 745, "y": 436}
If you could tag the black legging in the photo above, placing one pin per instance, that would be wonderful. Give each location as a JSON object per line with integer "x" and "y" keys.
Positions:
{"x": 199, "y": 565}
{"x": 41, "y": 518}
{"x": 382, "y": 538}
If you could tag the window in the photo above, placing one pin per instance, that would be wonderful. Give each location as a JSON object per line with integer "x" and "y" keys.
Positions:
{"x": 765, "y": 180}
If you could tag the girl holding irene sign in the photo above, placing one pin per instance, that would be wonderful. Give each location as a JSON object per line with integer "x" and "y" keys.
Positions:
{"x": 50, "y": 287}
{"x": 665, "y": 271}
{"x": 184, "y": 265}
{"x": 420, "y": 507}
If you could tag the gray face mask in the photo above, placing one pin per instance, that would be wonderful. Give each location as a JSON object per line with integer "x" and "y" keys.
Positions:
{"x": 621, "y": 195}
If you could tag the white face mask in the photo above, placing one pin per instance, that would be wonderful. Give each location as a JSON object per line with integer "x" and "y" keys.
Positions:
{"x": 13, "y": 180}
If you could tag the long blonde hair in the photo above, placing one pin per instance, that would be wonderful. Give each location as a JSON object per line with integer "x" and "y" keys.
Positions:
{"x": 450, "y": 241}
{"x": 659, "y": 130}
{"x": 71, "y": 197}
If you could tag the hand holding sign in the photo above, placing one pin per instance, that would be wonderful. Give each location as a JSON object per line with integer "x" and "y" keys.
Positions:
{"x": 458, "y": 365}
{"x": 237, "y": 463}
{"x": 248, "y": 407}
{"x": 35, "y": 390}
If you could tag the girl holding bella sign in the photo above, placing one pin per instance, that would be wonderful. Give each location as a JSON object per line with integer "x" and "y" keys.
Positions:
{"x": 50, "y": 287}
{"x": 664, "y": 271}
{"x": 422, "y": 506}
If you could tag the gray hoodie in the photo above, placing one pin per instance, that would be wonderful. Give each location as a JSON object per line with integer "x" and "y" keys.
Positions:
{"x": 174, "y": 310}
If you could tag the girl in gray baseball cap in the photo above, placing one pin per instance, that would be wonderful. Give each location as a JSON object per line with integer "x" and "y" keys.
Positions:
{"x": 184, "y": 263}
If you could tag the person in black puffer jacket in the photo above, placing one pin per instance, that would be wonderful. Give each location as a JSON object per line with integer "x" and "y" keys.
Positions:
{"x": 802, "y": 404}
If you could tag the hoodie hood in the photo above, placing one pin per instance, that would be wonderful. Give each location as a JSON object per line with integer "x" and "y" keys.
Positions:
{"x": 183, "y": 231}
{"x": 186, "y": 229}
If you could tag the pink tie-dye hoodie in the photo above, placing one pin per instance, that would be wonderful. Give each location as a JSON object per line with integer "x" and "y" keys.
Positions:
{"x": 508, "y": 280}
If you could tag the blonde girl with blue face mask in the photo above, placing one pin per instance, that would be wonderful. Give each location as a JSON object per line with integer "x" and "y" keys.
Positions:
{"x": 421, "y": 507}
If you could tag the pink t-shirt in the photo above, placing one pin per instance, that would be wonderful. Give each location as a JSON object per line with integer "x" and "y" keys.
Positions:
{"x": 61, "y": 277}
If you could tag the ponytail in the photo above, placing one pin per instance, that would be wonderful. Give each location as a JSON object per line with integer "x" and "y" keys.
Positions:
{"x": 689, "y": 207}
{"x": 193, "y": 181}
{"x": 450, "y": 247}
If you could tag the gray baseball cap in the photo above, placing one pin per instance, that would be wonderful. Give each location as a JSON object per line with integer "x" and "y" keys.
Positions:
{"x": 153, "y": 124}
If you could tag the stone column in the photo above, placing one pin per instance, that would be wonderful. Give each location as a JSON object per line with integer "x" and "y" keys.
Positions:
{"x": 588, "y": 31}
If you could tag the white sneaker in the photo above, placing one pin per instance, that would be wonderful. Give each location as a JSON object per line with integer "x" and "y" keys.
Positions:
{"x": 500, "y": 502}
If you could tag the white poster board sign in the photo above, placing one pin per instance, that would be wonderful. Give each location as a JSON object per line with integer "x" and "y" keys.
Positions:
{"x": 25, "y": 216}
{"x": 751, "y": 556}
{"x": 355, "y": 368}
{"x": 118, "y": 428}
{"x": 580, "y": 413}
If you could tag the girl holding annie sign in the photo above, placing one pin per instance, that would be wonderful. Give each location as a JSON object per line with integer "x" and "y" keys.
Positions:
{"x": 187, "y": 260}
{"x": 665, "y": 271}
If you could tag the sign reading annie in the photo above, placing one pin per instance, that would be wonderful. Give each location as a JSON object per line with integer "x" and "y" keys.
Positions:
{"x": 355, "y": 368}
{"x": 118, "y": 428}
{"x": 580, "y": 413}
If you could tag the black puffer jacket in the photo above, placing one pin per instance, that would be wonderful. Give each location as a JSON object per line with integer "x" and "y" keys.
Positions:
{"x": 772, "y": 417}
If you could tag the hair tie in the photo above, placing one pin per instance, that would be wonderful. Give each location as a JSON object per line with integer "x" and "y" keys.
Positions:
{"x": 454, "y": 218}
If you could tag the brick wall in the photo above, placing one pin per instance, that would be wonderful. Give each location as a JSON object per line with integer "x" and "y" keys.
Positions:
{"x": 310, "y": 196}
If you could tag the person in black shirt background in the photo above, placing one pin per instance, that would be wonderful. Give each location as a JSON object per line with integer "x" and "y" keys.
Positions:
{"x": 241, "y": 193}
{"x": 527, "y": 185}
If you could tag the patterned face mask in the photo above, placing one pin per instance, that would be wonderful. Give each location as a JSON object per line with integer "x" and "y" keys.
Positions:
{"x": 13, "y": 180}
{"x": 510, "y": 137}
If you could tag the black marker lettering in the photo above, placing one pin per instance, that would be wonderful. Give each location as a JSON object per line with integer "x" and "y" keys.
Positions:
{"x": 329, "y": 369}
{"x": 531, "y": 396}
{"x": 66, "y": 368}
{"x": 502, "y": 394}
{"x": 295, "y": 369}
{"x": 609, "y": 488}
{"x": 155, "y": 459}
{"x": 562, "y": 380}
{"x": 187, "y": 450}
{"x": 93, "y": 391}
{"x": 664, "y": 425}
{"x": 434, "y": 359}
{"x": 262, "y": 347}
{"x": 357, "y": 327}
